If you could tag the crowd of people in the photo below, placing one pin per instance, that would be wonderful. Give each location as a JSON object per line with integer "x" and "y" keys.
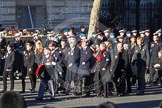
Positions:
{"x": 108, "y": 63}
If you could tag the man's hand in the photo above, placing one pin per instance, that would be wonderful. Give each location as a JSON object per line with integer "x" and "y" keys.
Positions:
{"x": 103, "y": 69}
{"x": 48, "y": 63}
{"x": 146, "y": 71}
{"x": 83, "y": 63}
{"x": 157, "y": 65}
{"x": 29, "y": 69}
{"x": 70, "y": 64}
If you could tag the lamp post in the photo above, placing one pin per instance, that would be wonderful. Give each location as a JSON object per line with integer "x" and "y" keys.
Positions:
{"x": 137, "y": 14}
{"x": 44, "y": 24}
{"x": 159, "y": 13}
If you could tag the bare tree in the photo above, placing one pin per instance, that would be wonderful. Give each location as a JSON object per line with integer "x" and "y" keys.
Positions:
{"x": 94, "y": 16}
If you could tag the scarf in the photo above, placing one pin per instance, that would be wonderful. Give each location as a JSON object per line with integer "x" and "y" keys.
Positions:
{"x": 99, "y": 57}
{"x": 160, "y": 58}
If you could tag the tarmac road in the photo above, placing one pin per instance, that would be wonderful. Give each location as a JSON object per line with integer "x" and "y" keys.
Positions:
{"x": 151, "y": 99}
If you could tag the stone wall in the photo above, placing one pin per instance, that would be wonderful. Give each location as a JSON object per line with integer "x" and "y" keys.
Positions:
{"x": 60, "y": 13}
{"x": 65, "y": 13}
{"x": 7, "y": 13}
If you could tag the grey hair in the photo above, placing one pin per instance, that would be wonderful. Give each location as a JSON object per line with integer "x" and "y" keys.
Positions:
{"x": 73, "y": 41}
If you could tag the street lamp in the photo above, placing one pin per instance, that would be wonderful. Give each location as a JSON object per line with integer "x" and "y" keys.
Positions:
{"x": 44, "y": 24}
{"x": 137, "y": 14}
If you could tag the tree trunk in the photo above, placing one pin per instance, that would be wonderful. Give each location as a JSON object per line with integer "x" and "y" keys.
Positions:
{"x": 94, "y": 18}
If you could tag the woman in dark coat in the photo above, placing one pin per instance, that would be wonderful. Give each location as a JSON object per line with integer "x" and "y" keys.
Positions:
{"x": 8, "y": 67}
{"x": 29, "y": 67}
{"x": 101, "y": 75}
{"x": 38, "y": 53}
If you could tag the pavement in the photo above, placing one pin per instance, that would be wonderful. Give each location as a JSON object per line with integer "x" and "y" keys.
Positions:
{"x": 151, "y": 99}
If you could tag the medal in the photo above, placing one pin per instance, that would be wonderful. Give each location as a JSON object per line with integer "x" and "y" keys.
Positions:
{"x": 116, "y": 57}
{"x": 152, "y": 45}
{"x": 107, "y": 59}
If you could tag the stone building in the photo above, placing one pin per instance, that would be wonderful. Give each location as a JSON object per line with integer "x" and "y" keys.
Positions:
{"x": 139, "y": 14}
{"x": 62, "y": 13}
{"x": 44, "y": 13}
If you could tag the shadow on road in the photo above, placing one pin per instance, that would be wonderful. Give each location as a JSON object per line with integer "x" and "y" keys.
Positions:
{"x": 144, "y": 104}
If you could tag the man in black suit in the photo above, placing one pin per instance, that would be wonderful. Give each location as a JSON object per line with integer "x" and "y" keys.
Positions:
{"x": 19, "y": 49}
{"x": 8, "y": 68}
{"x": 2, "y": 53}
{"x": 62, "y": 52}
{"x": 73, "y": 59}
{"x": 118, "y": 70}
{"x": 147, "y": 38}
{"x": 84, "y": 66}
{"x": 55, "y": 54}
{"x": 141, "y": 59}
{"x": 156, "y": 46}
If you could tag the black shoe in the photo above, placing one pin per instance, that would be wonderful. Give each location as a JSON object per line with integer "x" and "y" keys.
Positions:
{"x": 161, "y": 85}
{"x": 11, "y": 90}
{"x": 3, "y": 91}
{"x": 137, "y": 88}
{"x": 105, "y": 96}
{"x": 87, "y": 95}
{"x": 39, "y": 99}
{"x": 129, "y": 91}
{"x": 140, "y": 93}
{"x": 52, "y": 98}
{"x": 121, "y": 94}
{"x": 23, "y": 91}
{"x": 80, "y": 93}
{"x": 151, "y": 84}
{"x": 32, "y": 91}
{"x": 66, "y": 93}
{"x": 77, "y": 94}
{"x": 99, "y": 95}
{"x": 110, "y": 94}
{"x": 115, "y": 94}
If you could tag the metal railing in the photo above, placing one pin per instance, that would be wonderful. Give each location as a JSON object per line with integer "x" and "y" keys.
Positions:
{"x": 135, "y": 13}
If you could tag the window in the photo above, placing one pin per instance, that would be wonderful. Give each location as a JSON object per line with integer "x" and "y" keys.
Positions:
{"x": 29, "y": 16}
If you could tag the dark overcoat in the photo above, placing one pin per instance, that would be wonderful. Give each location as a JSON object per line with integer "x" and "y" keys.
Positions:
{"x": 85, "y": 56}
{"x": 72, "y": 57}
{"x": 103, "y": 75}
